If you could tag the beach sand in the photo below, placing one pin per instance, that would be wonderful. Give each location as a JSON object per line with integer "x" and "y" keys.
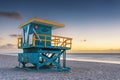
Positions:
{"x": 80, "y": 71}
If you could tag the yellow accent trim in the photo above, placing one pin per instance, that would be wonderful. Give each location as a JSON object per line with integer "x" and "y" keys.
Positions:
{"x": 56, "y": 41}
{"x": 33, "y": 40}
{"x": 19, "y": 42}
{"x": 45, "y": 42}
{"x": 37, "y": 20}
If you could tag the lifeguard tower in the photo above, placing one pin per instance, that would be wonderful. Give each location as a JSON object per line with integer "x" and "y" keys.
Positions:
{"x": 40, "y": 47}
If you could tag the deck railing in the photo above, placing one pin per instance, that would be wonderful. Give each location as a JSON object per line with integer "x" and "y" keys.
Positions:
{"x": 55, "y": 41}
{"x": 19, "y": 42}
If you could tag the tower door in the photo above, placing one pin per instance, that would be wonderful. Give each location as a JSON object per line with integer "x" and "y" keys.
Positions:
{"x": 30, "y": 40}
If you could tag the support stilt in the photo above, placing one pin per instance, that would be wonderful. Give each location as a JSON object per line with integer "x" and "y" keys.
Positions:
{"x": 64, "y": 58}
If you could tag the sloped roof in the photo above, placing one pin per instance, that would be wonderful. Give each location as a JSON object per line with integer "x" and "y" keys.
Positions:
{"x": 41, "y": 21}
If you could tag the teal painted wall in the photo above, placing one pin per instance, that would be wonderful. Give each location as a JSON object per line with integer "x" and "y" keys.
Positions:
{"x": 42, "y": 29}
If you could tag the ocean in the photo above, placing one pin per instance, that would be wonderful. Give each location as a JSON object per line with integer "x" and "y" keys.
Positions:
{"x": 113, "y": 58}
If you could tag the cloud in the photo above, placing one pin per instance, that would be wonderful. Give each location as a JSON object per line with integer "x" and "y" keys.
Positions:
{"x": 12, "y": 15}
{"x": 14, "y": 35}
{"x": 1, "y": 39}
{"x": 7, "y": 46}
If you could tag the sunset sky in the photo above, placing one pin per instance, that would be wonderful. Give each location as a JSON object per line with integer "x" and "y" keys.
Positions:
{"x": 94, "y": 25}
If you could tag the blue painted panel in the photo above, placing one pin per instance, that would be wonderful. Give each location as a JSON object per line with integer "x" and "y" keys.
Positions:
{"x": 20, "y": 57}
{"x": 42, "y": 29}
{"x": 28, "y": 57}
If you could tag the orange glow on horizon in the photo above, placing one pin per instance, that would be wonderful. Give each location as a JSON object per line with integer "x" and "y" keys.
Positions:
{"x": 81, "y": 46}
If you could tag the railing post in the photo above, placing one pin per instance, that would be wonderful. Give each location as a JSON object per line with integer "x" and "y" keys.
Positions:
{"x": 64, "y": 58}
{"x": 18, "y": 43}
{"x": 45, "y": 41}
{"x": 34, "y": 40}
{"x": 55, "y": 41}
{"x": 58, "y": 41}
{"x": 63, "y": 43}
{"x": 70, "y": 43}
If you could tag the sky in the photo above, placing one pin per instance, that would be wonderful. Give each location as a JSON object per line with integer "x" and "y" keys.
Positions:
{"x": 94, "y": 25}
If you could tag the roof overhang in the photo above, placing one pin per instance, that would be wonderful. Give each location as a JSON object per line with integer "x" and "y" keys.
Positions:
{"x": 45, "y": 22}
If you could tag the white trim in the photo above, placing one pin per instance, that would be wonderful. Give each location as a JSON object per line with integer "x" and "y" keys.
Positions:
{"x": 36, "y": 34}
{"x": 26, "y": 34}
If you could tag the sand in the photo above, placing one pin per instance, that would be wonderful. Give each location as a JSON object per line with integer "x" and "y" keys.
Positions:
{"x": 80, "y": 71}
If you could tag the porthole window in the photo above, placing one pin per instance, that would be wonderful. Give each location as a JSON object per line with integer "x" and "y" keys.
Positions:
{"x": 36, "y": 27}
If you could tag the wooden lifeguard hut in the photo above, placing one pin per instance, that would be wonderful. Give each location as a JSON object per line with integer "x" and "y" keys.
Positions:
{"x": 40, "y": 47}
